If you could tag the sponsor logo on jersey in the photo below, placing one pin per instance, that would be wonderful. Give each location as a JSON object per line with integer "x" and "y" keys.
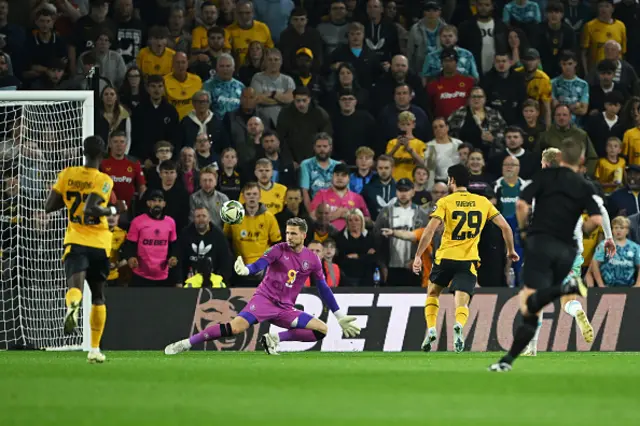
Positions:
{"x": 453, "y": 95}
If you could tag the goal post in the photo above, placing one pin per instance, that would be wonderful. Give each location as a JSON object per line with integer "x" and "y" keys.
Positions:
{"x": 41, "y": 133}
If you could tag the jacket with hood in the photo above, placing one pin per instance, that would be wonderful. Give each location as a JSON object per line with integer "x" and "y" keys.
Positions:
{"x": 297, "y": 130}
{"x": 378, "y": 195}
{"x": 291, "y": 41}
{"x": 211, "y": 244}
{"x": 553, "y": 138}
{"x": 382, "y": 38}
{"x": 150, "y": 124}
{"x": 192, "y": 126}
{"x": 211, "y": 201}
{"x": 419, "y": 46}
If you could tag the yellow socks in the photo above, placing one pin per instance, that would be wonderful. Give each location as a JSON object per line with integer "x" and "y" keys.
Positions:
{"x": 431, "y": 311}
{"x": 462, "y": 314}
{"x": 97, "y": 320}
{"x": 73, "y": 295}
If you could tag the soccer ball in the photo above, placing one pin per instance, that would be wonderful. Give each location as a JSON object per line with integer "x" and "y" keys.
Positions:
{"x": 232, "y": 212}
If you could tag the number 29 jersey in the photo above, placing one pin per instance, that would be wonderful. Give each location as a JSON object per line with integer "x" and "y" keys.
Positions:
{"x": 75, "y": 184}
{"x": 464, "y": 215}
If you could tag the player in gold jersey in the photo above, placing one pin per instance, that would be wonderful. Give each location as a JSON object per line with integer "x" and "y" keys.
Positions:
{"x": 463, "y": 215}
{"x": 85, "y": 192}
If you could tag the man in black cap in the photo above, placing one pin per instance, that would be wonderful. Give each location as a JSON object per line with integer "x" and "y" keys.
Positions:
{"x": 302, "y": 73}
{"x": 538, "y": 82}
{"x": 606, "y": 71}
{"x": 554, "y": 35}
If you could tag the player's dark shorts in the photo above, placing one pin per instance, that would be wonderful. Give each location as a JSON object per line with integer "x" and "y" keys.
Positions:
{"x": 93, "y": 261}
{"x": 458, "y": 275}
{"x": 547, "y": 261}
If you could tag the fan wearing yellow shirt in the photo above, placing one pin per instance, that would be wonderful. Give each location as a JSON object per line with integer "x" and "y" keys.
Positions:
{"x": 631, "y": 145}
{"x": 597, "y": 32}
{"x": 610, "y": 170}
{"x": 245, "y": 30}
{"x": 157, "y": 58}
{"x": 538, "y": 83}
{"x": 199, "y": 38}
{"x": 85, "y": 192}
{"x": 181, "y": 86}
{"x": 463, "y": 215}
{"x": 272, "y": 194}
{"x": 406, "y": 150}
{"x": 118, "y": 235}
{"x": 204, "y": 277}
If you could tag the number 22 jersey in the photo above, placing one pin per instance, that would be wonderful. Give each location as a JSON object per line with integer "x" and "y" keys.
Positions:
{"x": 75, "y": 184}
{"x": 464, "y": 215}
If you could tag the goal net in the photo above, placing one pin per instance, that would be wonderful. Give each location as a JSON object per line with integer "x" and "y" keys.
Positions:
{"x": 40, "y": 134}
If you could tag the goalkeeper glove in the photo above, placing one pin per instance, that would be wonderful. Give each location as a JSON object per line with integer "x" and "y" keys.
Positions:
{"x": 348, "y": 325}
{"x": 240, "y": 268}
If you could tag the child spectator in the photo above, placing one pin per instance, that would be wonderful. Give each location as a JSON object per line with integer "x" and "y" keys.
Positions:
{"x": 331, "y": 270}
{"x": 163, "y": 152}
{"x": 420, "y": 178}
{"x": 406, "y": 150}
{"x": 204, "y": 277}
{"x": 606, "y": 124}
{"x": 229, "y": 182}
{"x": 610, "y": 170}
{"x": 364, "y": 173}
{"x": 621, "y": 269}
{"x": 531, "y": 124}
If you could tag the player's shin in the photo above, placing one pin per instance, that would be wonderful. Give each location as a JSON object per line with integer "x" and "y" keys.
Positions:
{"x": 73, "y": 296}
{"x": 301, "y": 335}
{"x": 462, "y": 314}
{"x": 97, "y": 320}
{"x": 213, "y": 332}
{"x": 522, "y": 337}
{"x": 431, "y": 308}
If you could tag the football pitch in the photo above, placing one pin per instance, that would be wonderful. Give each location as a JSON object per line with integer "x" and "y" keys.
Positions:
{"x": 313, "y": 388}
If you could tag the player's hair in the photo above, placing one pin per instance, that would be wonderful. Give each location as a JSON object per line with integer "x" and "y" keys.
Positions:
{"x": 168, "y": 165}
{"x": 459, "y": 174}
{"x": 364, "y": 151}
{"x": 551, "y": 157}
{"x": 322, "y": 136}
{"x": 572, "y": 150}
{"x": 387, "y": 158}
{"x": 531, "y": 103}
{"x": 215, "y": 30}
{"x": 264, "y": 162}
{"x": 250, "y": 185}
{"x": 162, "y": 144}
{"x": 209, "y": 169}
{"x": 615, "y": 139}
{"x": 621, "y": 221}
{"x": 406, "y": 117}
{"x": 299, "y": 222}
{"x": 419, "y": 167}
{"x": 94, "y": 147}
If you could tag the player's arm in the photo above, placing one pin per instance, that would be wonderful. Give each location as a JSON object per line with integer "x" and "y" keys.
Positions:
{"x": 93, "y": 208}
{"x": 270, "y": 256}
{"x": 523, "y": 209}
{"x": 54, "y": 202}
{"x": 594, "y": 206}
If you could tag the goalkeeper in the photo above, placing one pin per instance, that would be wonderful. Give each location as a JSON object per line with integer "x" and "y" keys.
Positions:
{"x": 289, "y": 265}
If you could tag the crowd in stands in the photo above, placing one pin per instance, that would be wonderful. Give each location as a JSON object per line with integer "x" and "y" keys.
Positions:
{"x": 346, "y": 113}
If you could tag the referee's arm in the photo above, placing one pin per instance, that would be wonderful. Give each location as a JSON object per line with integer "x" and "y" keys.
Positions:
{"x": 523, "y": 209}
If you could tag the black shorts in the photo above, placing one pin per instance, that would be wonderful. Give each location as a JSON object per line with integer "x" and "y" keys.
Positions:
{"x": 93, "y": 261}
{"x": 548, "y": 261}
{"x": 458, "y": 275}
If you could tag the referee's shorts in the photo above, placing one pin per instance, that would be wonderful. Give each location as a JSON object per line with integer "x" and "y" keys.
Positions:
{"x": 548, "y": 261}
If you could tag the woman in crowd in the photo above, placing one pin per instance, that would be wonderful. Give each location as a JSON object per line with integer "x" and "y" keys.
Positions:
{"x": 442, "y": 152}
{"x": 188, "y": 169}
{"x": 356, "y": 252}
{"x": 132, "y": 90}
{"x": 518, "y": 44}
{"x": 253, "y": 63}
{"x": 346, "y": 79}
{"x": 622, "y": 269}
{"x": 113, "y": 116}
{"x": 478, "y": 178}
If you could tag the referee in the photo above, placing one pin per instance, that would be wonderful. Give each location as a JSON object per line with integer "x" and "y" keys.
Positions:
{"x": 561, "y": 195}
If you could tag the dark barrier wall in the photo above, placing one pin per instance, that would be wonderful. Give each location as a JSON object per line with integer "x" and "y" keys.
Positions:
{"x": 391, "y": 320}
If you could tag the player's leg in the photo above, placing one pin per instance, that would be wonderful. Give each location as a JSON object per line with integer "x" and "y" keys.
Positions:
{"x": 431, "y": 308}
{"x": 76, "y": 264}
{"x": 97, "y": 321}
{"x": 532, "y": 347}
{"x": 301, "y": 327}
{"x": 462, "y": 284}
{"x": 573, "y": 307}
{"x": 237, "y": 325}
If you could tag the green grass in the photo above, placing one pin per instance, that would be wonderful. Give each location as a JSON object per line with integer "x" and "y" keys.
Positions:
{"x": 211, "y": 388}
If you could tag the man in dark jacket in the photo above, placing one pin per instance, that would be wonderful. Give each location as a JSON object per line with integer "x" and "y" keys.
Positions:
{"x": 202, "y": 120}
{"x": 381, "y": 34}
{"x": 553, "y": 37}
{"x": 624, "y": 201}
{"x": 357, "y": 53}
{"x": 380, "y": 192}
{"x": 398, "y": 74}
{"x": 529, "y": 162}
{"x": 505, "y": 89}
{"x": 297, "y": 36}
{"x": 353, "y": 128}
{"x": 203, "y": 239}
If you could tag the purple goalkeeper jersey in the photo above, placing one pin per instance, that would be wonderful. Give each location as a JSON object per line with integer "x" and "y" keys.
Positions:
{"x": 287, "y": 273}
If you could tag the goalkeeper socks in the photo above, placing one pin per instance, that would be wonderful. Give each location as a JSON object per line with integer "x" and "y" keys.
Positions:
{"x": 97, "y": 320}
{"x": 298, "y": 335}
{"x": 212, "y": 332}
{"x": 431, "y": 311}
{"x": 572, "y": 307}
{"x": 462, "y": 314}
{"x": 74, "y": 295}
{"x": 521, "y": 338}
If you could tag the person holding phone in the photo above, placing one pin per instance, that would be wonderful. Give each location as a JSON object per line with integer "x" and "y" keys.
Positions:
{"x": 406, "y": 150}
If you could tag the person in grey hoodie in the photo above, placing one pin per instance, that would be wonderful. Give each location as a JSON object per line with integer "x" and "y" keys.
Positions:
{"x": 207, "y": 196}
{"x": 424, "y": 35}
{"x": 111, "y": 64}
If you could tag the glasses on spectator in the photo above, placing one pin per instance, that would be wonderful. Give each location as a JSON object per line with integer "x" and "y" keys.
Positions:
{"x": 477, "y": 96}
{"x": 164, "y": 151}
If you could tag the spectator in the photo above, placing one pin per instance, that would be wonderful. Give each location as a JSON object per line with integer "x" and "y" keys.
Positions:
{"x": 199, "y": 35}
{"x": 203, "y": 239}
{"x": 85, "y": 29}
{"x": 441, "y": 152}
{"x": 528, "y": 162}
{"x": 298, "y": 35}
{"x": 275, "y": 15}
{"x": 483, "y": 36}
{"x": 518, "y": 45}
{"x": 113, "y": 116}
{"x": 151, "y": 248}
{"x": 42, "y": 47}
{"x": 207, "y": 197}
{"x": 509, "y": 186}
{"x": 530, "y": 123}
{"x": 84, "y": 81}
{"x": 354, "y": 128}
{"x": 424, "y": 35}
{"x": 175, "y": 194}
{"x": 554, "y": 36}
{"x": 339, "y": 198}
{"x": 201, "y": 120}
{"x": 621, "y": 270}
{"x": 271, "y": 194}
{"x": 450, "y": 91}
{"x": 388, "y": 118}
{"x": 569, "y": 89}
{"x": 466, "y": 63}
{"x": 346, "y": 80}
{"x": 230, "y": 182}
{"x": 163, "y": 151}
{"x": 249, "y": 147}
{"x": 203, "y": 277}
{"x": 257, "y": 232}
{"x": 12, "y": 37}
{"x": 179, "y": 38}
{"x": 334, "y": 32}
{"x": 630, "y": 116}
{"x": 479, "y": 180}
{"x": 625, "y": 75}
{"x": 204, "y": 64}
{"x": 181, "y": 85}
{"x": 118, "y": 238}
{"x": 356, "y": 252}
{"x": 406, "y": 150}
{"x": 188, "y": 169}
{"x": 381, "y": 189}
{"x": 132, "y": 92}
{"x": 302, "y": 75}
{"x": 157, "y": 58}
{"x": 321, "y": 229}
{"x": 610, "y": 170}
{"x": 602, "y": 126}
{"x": 299, "y": 122}
{"x": 478, "y": 124}
{"x": 562, "y": 129}
{"x": 634, "y": 228}
{"x": 245, "y": 30}
{"x": 631, "y": 142}
{"x": 506, "y": 90}
{"x": 606, "y": 71}
{"x": 397, "y": 253}
{"x": 227, "y": 13}
{"x": 154, "y": 109}
{"x": 578, "y": 14}
{"x": 356, "y": 52}
{"x": 628, "y": 12}
{"x": 364, "y": 169}
{"x": 112, "y": 66}
{"x": 204, "y": 155}
{"x": 126, "y": 173}
{"x": 598, "y": 31}
{"x": 331, "y": 270}
{"x": 538, "y": 83}
{"x": 463, "y": 152}
{"x": 236, "y": 122}
{"x": 316, "y": 172}
{"x": 624, "y": 201}
{"x": 224, "y": 90}
{"x": 273, "y": 89}
{"x": 130, "y": 33}
{"x": 293, "y": 207}
{"x": 523, "y": 14}
{"x": 439, "y": 190}
{"x": 253, "y": 63}
{"x": 381, "y": 34}
{"x": 51, "y": 79}
{"x": 399, "y": 74}
{"x": 7, "y": 81}
{"x": 283, "y": 170}
{"x": 421, "y": 195}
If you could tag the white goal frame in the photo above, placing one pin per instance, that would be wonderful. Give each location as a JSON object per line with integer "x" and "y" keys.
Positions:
{"x": 88, "y": 107}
